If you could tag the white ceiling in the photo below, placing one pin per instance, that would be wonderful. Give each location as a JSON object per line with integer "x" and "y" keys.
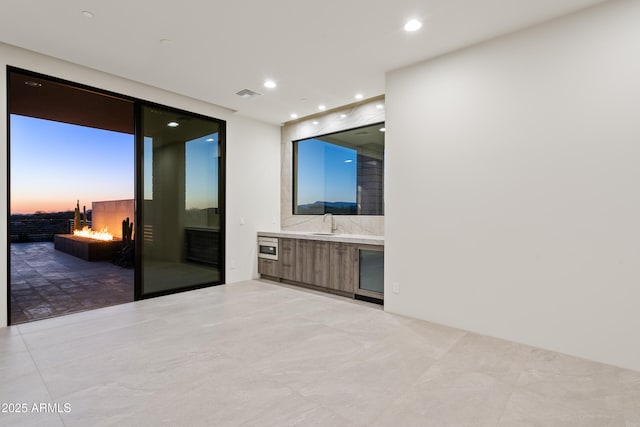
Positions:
{"x": 319, "y": 52}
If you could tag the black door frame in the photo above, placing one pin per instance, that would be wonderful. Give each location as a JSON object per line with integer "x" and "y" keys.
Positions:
{"x": 138, "y": 190}
{"x": 139, "y": 200}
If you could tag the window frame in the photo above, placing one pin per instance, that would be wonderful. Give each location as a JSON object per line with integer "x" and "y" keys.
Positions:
{"x": 294, "y": 168}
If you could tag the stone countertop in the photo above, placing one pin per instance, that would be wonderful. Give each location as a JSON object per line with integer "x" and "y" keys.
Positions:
{"x": 333, "y": 237}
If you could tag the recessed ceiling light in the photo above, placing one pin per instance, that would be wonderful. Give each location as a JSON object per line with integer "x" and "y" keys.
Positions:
{"x": 359, "y": 96}
{"x": 87, "y": 14}
{"x": 322, "y": 107}
{"x": 173, "y": 124}
{"x": 315, "y": 122}
{"x": 382, "y": 129}
{"x": 342, "y": 116}
{"x": 32, "y": 83}
{"x": 379, "y": 106}
{"x": 209, "y": 139}
{"x": 270, "y": 84}
{"x": 348, "y": 161}
{"x": 412, "y": 25}
{"x": 294, "y": 116}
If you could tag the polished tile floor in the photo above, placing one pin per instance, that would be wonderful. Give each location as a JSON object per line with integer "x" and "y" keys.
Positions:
{"x": 260, "y": 354}
{"x": 48, "y": 283}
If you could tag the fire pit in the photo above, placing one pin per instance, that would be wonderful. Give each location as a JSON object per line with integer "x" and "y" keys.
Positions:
{"x": 102, "y": 235}
{"x": 87, "y": 248}
{"x": 93, "y": 245}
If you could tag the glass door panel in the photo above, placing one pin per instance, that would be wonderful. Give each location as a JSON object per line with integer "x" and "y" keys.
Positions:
{"x": 182, "y": 205}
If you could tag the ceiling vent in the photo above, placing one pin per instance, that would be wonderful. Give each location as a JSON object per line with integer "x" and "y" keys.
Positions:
{"x": 247, "y": 93}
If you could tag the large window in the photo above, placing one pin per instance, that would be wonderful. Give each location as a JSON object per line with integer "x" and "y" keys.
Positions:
{"x": 340, "y": 173}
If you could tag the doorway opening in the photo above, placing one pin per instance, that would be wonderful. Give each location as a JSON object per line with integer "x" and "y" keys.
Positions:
{"x": 108, "y": 202}
{"x": 71, "y": 163}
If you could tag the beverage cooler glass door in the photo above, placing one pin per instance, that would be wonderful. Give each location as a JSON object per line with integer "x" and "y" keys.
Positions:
{"x": 371, "y": 271}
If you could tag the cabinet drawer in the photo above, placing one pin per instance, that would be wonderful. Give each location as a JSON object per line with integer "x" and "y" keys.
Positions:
{"x": 268, "y": 267}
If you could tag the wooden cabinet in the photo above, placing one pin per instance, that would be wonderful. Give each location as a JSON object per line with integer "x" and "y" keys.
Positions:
{"x": 268, "y": 267}
{"x": 287, "y": 258}
{"x": 332, "y": 266}
{"x": 343, "y": 269}
{"x": 312, "y": 262}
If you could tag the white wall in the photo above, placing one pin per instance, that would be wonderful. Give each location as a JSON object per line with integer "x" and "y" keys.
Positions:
{"x": 513, "y": 186}
{"x": 250, "y": 146}
{"x": 253, "y": 198}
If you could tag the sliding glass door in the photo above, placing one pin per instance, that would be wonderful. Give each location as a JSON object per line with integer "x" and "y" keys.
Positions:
{"x": 180, "y": 200}
{"x": 89, "y": 168}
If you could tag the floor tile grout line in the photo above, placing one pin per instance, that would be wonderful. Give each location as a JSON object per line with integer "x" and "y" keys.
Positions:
{"x": 514, "y": 388}
{"x": 44, "y": 383}
{"x": 509, "y": 395}
{"x": 60, "y": 268}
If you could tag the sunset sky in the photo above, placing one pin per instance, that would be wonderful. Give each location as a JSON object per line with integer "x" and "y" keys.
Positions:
{"x": 326, "y": 172}
{"x": 55, "y": 164}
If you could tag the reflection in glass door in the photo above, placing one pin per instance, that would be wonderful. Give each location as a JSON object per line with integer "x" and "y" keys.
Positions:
{"x": 182, "y": 215}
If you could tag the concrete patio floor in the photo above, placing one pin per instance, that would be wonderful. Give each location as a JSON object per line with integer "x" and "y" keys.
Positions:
{"x": 48, "y": 283}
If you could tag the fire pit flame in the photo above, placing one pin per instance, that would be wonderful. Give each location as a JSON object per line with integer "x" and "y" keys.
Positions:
{"x": 103, "y": 234}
